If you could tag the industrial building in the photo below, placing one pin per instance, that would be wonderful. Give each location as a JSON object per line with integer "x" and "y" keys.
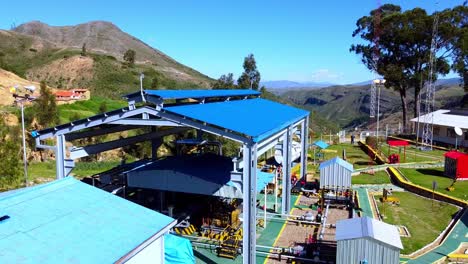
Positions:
{"x": 444, "y": 123}
{"x": 68, "y": 221}
{"x": 190, "y": 178}
{"x": 366, "y": 240}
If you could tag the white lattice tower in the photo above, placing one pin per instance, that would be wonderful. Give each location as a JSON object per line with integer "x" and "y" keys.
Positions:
{"x": 428, "y": 116}
{"x": 373, "y": 99}
{"x": 375, "y": 59}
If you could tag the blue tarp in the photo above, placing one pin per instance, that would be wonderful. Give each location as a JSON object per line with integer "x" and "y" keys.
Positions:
{"x": 183, "y": 94}
{"x": 263, "y": 178}
{"x": 257, "y": 118}
{"x": 321, "y": 144}
{"x": 177, "y": 250}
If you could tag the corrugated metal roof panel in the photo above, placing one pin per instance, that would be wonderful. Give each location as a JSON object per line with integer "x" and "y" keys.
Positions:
{"x": 444, "y": 117}
{"x": 321, "y": 144}
{"x": 185, "y": 94}
{"x": 368, "y": 227}
{"x": 339, "y": 161}
{"x": 257, "y": 118}
{"x": 67, "y": 221}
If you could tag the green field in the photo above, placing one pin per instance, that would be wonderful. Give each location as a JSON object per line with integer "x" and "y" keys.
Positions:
{"x": 413, "y": 154}
{"x": 380, "y": 177}
{"x": 424, "y": 218}
{"x": 425, "y": 177}
{"x": 354, "y": 155}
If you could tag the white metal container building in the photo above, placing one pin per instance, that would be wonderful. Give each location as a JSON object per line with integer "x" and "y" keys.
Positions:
{"x": 335, "y": 174}
{"x": 366, "y": 239}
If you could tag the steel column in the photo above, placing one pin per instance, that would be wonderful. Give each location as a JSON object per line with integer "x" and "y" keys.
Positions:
{"x": 249, "y": 195}
{"x": 304, "y": 147}
{"x": 60, "y": 156}
{"x": 286, "y": 193}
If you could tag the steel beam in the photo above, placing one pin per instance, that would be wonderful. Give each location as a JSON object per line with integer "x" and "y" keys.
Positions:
{"x": 286, "y": 193}
{"x": 98, "y": 132}
{"x": 249, "y": 195}
{"x": 98, "y": 148}
{"x": 71, "y": 127}
{"x": 143, "y": 122}
{"x": 60, "y": 157}
{"x": 203, "y": 127}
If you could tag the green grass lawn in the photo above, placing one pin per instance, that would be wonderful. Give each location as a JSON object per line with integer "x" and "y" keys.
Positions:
{"x": 82, "y": 109}
{"x": 425, "y": 177}
{"x": 413, "y": 154}
{"x": 380, "y": 177}
{"x": 424, "y": 219}
{"x": 45, "y": 171}
{"x": 354, "y": 155}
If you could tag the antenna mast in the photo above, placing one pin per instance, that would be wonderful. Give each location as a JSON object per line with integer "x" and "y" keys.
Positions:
{"x": 375, "y": 58}
{"x": 427, "y": 133}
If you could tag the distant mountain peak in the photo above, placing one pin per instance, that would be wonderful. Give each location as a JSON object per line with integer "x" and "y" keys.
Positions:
{"x": 106, "y": 38}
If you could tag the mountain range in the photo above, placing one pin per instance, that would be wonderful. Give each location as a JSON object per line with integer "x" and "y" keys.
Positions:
{"x": 38, "y": 51}
{"x": 285, "y": 84}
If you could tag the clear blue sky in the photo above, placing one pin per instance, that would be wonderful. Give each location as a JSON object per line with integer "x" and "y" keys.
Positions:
{"x": 291, "y": 40}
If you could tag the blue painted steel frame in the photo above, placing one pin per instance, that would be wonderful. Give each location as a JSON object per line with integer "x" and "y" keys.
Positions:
{"x": 250, "y": 149}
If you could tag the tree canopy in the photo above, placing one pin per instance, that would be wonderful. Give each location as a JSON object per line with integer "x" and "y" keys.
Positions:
{"x": 10, "y": 171}
{"x": 453, "y": 31}
{"x": 250, "y": 78}
{"x": 47, "y": 112}
{"x": 129, "y": 57}
{"x": 397, "y": 46}
{"x": 226, "y": 81}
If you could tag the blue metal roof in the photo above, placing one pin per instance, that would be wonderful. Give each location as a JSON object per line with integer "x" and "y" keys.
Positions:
{"x": 257, "y": 118}
{"x": 67, "y": 221}
{"x": 321, "y": 144}
{"x": 184, "y": 94}
{"x": 339, "y": 161}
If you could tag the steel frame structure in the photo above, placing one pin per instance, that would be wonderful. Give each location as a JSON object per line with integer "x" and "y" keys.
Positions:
{"x": 132, "y": 117}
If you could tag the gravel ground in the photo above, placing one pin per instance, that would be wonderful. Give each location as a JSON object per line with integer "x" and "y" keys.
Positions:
{"x": 298, "y": 233}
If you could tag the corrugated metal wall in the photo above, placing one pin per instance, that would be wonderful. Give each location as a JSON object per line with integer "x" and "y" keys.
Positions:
{"x": 352, "y": 251}
{"x": 335, "y": 177}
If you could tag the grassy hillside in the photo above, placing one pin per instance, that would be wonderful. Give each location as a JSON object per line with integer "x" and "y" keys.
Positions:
{"x": 317, "y": 122}
{"x": 348, "y": 106}
{"x": 106, "y": 38}
{"x": 106, "y": 76}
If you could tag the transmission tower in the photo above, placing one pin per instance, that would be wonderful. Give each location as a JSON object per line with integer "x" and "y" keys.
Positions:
{"x": 375, "y": 59}
{"x": 428, "y": 114}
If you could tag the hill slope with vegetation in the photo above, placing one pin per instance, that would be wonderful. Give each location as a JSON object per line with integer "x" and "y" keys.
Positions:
{"x": 34, "y": 52}
{"x": 349, "y": 106}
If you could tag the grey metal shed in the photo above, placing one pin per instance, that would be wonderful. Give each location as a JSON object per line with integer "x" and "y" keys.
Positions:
{"x": 366, "y": 239}
{"x": 335, "y": 174}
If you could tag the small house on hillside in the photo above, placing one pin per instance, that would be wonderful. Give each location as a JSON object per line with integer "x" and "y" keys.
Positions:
{"x": 83, "y": 93}
{"x": 456, "y": 165}
{"x": 68, "y": 221}
{"x": 366, "y": 240}
{"x": 335, "y": 174}
{"x": 66, "y": 96}
{"x": 444, "y": 123}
